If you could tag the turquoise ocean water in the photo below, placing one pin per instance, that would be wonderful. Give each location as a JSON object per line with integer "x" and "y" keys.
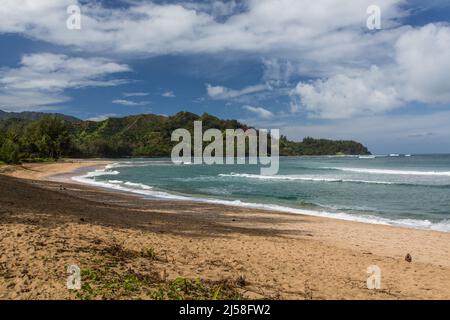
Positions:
{"x": 411, "y": 191}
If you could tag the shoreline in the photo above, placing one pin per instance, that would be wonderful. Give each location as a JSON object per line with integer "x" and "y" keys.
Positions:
{"x": 281, "y": 255}
{"x": 48, "y": 170}
{"x": 67, "y": 176}
{"x": 63, "y": 172}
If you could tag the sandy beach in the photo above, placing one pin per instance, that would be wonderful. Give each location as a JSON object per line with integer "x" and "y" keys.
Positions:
{"x": 132, "y": 248}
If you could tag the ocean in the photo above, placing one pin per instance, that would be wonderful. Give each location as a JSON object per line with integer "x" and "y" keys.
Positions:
{"x": 409, "y": 191}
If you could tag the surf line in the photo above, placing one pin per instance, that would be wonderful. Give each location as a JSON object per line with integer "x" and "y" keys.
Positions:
{"x": 236, "y": 142}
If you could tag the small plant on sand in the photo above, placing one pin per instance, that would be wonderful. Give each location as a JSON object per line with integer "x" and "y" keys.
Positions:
{"x": 150, "y": 253}
{"x": 182, "y": 289}
{"x": 106, "y": 283}
{"x": 112, "y": 274}
{"x": 131, "y": 282}
{"x": 89, "y": 278}
{"x": 86, "y": 293}
{"x": 90, "y": 274}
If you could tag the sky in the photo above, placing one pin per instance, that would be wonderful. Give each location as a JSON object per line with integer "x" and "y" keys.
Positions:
{"x": 309, "y": 68}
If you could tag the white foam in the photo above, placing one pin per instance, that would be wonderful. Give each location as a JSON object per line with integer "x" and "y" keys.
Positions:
{"x": 392, "y": 172}
{"x": 115, "y": 181}
{"x": 100, "y": 172}
{"x": 89, "y": 178}
{"x": 302, "y": 178}
{"x": 139, "y": 185}
{"x": 126, "y": 164}
{"x": 115, "y": 184}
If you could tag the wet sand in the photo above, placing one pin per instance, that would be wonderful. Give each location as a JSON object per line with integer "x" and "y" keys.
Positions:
{"x": 128, "y": 247}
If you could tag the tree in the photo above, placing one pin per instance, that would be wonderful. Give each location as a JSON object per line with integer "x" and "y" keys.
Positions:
{"x": 49, "y": 138}
{"x": 10, "y": 146}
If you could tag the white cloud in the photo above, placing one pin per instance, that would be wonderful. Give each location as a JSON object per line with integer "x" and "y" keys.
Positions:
{"x": 218, "y": 9}
{"x": 53, "y": 72}
{"x": 20, "y": 100}
{"x": 40, "y": 79}
{"x": 343, "y": 96}
{"x": 223, "y": 93}
{"x": 291, "y": 36}
{"x": 135, "y": 94}
{"x": 318, "y": 30}
{"x": 294, "y": 107}
{"x": 260, "y": 112}
{"x": 103, "y": 117}
{"x": 322, "y": 38}
{"x": 278, "y": 71}
{"x": 169, "y": 94}
{"x": 223, "y": 8}
{"x": 419, "y": 74}
{"x": 130, "y": 103}
{"x": 423, "y": 63}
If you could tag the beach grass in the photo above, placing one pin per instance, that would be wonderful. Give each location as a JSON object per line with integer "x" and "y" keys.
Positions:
{"x": 107, "y": 277}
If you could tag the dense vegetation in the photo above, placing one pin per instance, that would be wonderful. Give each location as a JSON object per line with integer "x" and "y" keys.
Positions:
{"x": 45, "y": 137}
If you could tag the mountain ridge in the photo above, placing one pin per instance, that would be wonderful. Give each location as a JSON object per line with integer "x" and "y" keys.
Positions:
{"x": 33, "y": 115}
{"x": 51, "y": 136}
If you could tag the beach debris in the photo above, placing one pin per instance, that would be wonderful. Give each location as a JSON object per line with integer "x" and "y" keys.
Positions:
{"x": 408, "y": 258}
{"x": 150, "y": 253}
{"x": 163, "y": 275}
{"x": 241, "y": 281}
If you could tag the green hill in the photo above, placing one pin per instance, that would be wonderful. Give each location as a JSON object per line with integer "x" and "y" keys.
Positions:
{"x": 54, "y": 136}
{"x": 31, "y": 115}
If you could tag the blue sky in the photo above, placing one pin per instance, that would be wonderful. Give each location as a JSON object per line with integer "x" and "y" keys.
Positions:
{"x": 308, "y": 68}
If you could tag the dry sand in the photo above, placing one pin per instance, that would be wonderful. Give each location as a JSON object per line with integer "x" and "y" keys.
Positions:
{"x": 129, "y": 247}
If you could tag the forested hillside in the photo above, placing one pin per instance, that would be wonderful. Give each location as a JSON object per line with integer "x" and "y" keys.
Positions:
{"x": 38, "y": 137}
